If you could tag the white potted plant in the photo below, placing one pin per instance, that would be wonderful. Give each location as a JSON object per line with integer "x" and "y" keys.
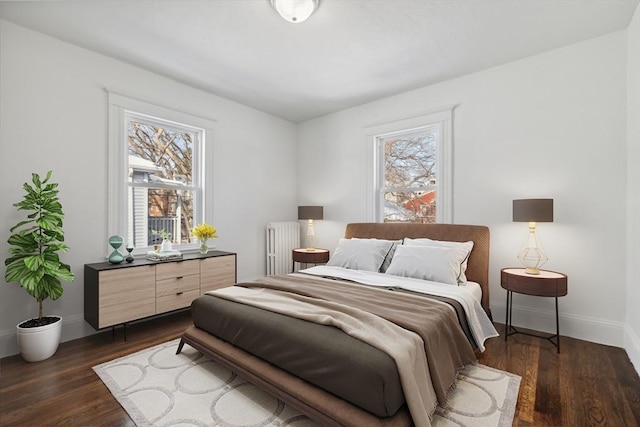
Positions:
{"x": 166, "y": 239}
{"x": 34, "y": 263}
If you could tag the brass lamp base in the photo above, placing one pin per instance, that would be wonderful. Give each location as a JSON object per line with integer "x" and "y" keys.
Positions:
{"x": 532, "y": 255}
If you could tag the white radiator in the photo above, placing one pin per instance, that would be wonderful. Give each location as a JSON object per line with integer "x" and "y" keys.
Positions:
{"x": 282, "y": 239}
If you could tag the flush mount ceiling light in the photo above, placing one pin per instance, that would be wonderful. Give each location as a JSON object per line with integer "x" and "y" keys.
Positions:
{"x": 295, "y": 11}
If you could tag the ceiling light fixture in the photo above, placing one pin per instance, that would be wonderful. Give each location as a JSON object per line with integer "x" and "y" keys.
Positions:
{"x": 295, "y": 11}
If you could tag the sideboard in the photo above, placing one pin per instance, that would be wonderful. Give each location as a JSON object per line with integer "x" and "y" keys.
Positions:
{"x": 115, "y": 294}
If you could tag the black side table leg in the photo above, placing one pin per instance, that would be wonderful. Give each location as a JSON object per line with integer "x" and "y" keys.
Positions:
{"x": 506, "y": 321}
{"x": 557, "y": 327}
{"x": 508, "y": 328}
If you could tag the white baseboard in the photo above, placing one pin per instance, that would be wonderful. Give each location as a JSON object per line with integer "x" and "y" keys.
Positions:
{"x": 632, "y": 346}
{"x": 72, "y": 327}
{"x": 581, "y": 327}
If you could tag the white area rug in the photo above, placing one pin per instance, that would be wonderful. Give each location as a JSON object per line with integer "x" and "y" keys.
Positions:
{"x": 159, "y": 388}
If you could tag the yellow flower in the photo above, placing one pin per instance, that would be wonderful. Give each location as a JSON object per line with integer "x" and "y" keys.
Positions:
{"x": 205, "y": 231}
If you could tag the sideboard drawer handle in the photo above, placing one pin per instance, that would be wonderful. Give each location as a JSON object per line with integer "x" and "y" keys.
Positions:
{"x": 179, "y": 277}
{"x": 179, "y": 293}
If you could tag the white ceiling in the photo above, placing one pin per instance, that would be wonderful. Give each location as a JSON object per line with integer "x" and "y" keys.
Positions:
{"x": 348, "y": 53}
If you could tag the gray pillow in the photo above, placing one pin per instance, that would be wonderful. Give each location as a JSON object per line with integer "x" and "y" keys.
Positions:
{"x": 360, "y": 254}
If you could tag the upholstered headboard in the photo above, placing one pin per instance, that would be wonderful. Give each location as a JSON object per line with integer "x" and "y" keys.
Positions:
{"x": 478, "y": 264}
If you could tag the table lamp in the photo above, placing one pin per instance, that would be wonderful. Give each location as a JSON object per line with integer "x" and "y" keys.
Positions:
{"x": 532, "y": 211}
{"x": 309, "y": 213}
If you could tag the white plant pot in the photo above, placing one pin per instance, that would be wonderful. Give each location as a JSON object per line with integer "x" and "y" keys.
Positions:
{"x": 41, "y": 342}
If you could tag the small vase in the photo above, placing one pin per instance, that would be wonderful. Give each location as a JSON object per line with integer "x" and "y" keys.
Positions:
{"x": 166, "y": 246}
{"x": 204, "y": 248}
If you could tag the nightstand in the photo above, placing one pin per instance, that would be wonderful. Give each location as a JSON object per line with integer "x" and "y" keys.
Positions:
{"x": 309, "y": 256}
{"x": 545, "y": 284}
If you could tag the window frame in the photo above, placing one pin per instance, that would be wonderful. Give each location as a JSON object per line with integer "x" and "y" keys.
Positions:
{"x": 443, "y": 119}
{"x": 121, "y": 109}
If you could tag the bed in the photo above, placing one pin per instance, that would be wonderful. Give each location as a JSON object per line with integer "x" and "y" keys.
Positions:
{"x": 331, "y": 354}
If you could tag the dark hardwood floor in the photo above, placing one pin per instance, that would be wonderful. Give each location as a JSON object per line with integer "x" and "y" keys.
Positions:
{"x": 586, "y": 385}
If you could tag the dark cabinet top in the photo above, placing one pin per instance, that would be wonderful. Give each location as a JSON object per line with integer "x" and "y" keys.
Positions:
{"x": 142, "y": 260}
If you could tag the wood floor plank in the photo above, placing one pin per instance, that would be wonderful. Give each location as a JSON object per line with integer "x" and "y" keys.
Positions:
{"x": 625, "y": 384}
{"x": 587, "y": 384}
{"x": 548, "y": 407}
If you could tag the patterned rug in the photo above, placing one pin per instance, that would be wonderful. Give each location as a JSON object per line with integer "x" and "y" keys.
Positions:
{"x": 159, "y": 388}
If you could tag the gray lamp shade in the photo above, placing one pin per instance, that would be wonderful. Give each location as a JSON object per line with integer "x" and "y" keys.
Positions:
{"x": 310, "y": 212}
{"x": 533, "y": 210}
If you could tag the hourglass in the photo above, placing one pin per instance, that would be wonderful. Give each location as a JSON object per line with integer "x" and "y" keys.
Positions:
{"x": 116, "y": 257}
{"x": 129, "y": 249}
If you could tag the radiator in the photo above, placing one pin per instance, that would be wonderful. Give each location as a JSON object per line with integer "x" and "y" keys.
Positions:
{"x": 282, "y": 239}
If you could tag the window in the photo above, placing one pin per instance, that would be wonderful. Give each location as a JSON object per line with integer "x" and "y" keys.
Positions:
{"x": 411, "y": 165}
{"x": 156, "y": 175}
{"x": 162, "y": 192}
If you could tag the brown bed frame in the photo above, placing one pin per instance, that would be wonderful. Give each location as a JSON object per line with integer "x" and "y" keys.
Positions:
{"x": 312, "y": 401}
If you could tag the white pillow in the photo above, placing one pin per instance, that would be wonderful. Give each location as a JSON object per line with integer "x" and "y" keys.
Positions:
{"x": 360, "y": 254}
{"x": 468, "y": 246}
{"x": 437, "y": 264}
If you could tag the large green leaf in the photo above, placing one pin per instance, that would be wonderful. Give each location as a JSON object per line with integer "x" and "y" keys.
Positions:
{"x": 51, "y": 287}
{"x": 20, "y": 224}
{"x": 36, "y": 179}
{"x": 31, "y": 280}
{"x": 22, "y": 240}
{"x": 14, "y": 271}
{"x": 34, "y": 262}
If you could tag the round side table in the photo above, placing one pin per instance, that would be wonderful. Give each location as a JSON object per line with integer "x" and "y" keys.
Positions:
{"x": 309, "y": 256}
{"x": 545, "y": 284}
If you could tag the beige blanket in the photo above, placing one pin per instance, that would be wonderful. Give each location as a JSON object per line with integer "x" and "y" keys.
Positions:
{"x": 404, "y": 346}
{"x": 447, "y": 349}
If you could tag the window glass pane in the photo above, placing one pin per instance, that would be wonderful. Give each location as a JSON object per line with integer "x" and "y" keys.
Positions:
{"x": 172, "y": 211}
{"x": 160, "y": 154}
{"x": 410, "y": 206}
{"x": 162, "y": 192}
{"x": 410, "y": 159}
{"x": 160, "y": 209}
{"x": 409, "y": 189}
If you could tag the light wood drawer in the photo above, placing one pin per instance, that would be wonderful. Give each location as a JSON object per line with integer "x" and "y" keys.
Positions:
{"x": 126, "y": 294}
{"x": 175, "y": 301}
{"x": 176, "y": 269}
{"x": 217, "y": 272}
{"x": 175, "y": 285}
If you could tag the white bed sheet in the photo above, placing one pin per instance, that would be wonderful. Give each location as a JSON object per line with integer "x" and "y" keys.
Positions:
{"x": 469, "y": 295}
{"x": 475, "y": 290}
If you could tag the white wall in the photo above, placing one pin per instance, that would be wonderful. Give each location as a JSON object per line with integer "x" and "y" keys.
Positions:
{"x": 53, "y": 116}
{"x": 551, "y": 125}
{"x": 632, "y": 330}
